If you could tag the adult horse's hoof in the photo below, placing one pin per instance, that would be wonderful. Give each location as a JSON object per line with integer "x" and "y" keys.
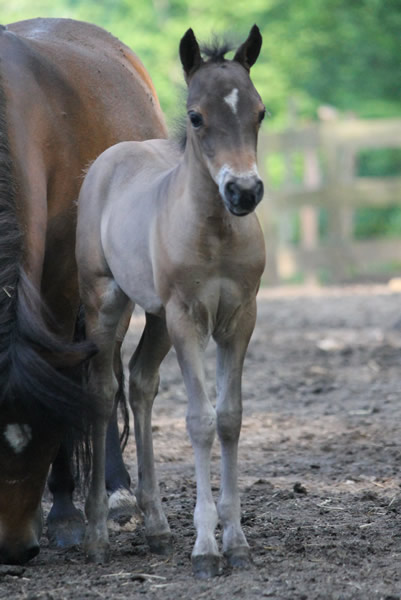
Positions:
{"x": 239, "y": 558}
{"x": 160, "y": 544}
{"x": 66, "y": 531}
{"x": 206, "y": 566}
{"x": 122, "y": 506}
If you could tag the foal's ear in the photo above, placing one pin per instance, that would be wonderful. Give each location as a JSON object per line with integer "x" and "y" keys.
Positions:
{"x": 190, "y": 54}
{"x": 248, "y": 52}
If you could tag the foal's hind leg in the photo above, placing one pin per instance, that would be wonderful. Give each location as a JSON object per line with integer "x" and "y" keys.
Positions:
{"x": 230, "y": 358}
{"x": 144, "y": 382}
{"x": 104, "y": 304}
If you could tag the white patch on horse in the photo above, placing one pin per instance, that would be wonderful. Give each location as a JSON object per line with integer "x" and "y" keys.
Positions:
{"x": 120, "y": 499}
{"x": 18, "y": 436}
{"x": 124, "y": 513}
{"x": 232, "y": 100}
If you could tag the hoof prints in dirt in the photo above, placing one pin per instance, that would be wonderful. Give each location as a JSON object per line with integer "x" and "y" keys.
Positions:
{"x": 320, "y": 464}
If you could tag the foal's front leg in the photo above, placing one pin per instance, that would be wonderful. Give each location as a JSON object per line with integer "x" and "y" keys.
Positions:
{"x": 190, "y": 339}
{"x": 231, "y": 351}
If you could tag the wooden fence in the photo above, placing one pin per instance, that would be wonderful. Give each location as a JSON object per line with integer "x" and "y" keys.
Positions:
{"x": 328, "y": 152}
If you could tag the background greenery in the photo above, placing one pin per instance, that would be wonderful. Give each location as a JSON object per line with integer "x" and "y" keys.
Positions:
{"x": 340, "y": 52}
{"x": 344, "y": 53}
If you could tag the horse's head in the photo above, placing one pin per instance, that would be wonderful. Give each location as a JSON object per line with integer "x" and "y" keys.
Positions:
{"x": 224, "y": 114}
{"x": 25, "y": 456}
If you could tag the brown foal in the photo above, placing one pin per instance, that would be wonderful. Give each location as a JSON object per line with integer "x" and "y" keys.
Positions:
{"x": 175, "y": 232}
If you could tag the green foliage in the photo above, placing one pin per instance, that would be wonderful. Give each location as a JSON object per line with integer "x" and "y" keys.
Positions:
{"x": 319, "y": 51}
{"x": 381, "y": 162}
{"x": 373, "y": 222}
{"x": 370, "y": 222}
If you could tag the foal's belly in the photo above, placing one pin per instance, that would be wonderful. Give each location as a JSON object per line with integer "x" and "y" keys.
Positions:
{"x": 215, "y": 304}
{"x": 143, "y": 293}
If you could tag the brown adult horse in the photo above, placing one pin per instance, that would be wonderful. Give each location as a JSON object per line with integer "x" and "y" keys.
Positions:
{"x": 68, "y": 90}
{"x": 176, "y": 233}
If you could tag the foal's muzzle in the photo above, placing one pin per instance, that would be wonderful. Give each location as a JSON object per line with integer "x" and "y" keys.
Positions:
{"x": 241, "y": 195}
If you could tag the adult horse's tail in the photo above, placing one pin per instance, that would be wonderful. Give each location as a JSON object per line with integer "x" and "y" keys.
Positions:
{"x": 32, "y": 358}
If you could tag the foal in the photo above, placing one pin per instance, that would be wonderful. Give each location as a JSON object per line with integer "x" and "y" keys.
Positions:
{"x": 176, "y": 233}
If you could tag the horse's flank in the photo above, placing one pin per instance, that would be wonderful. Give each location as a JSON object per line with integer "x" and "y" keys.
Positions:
{"x": 68, "y": 91}
{"x": 43, "y": 152}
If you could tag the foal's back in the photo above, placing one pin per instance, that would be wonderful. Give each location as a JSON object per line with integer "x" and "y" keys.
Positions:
{"x": 128, "y": 176}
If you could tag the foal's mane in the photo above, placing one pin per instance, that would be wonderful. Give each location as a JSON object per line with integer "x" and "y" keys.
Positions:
{"x": 215, "y": 50}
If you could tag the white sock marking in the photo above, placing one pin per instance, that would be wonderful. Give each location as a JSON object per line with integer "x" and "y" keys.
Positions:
{"x": 121, "y": 498}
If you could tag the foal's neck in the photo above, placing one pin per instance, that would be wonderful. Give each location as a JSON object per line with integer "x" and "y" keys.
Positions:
{"x": 201, "y": 191}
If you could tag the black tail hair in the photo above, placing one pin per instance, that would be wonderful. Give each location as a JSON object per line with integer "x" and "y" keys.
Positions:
{"x": 32, "y": 386}
{"x": 121, "y": 398}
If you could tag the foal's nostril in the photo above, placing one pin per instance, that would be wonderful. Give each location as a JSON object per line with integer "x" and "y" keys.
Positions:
{"x": 233, "y": 192}
{"x": 259, "y": 190}
{"x": 242, "y": 195}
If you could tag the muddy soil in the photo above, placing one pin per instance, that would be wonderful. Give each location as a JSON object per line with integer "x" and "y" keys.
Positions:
{"x": 320, "y": 467}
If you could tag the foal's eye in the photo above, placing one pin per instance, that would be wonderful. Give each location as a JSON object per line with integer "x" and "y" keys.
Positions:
{"x": 196, "y": 119}
{"x": 262, "y": 115}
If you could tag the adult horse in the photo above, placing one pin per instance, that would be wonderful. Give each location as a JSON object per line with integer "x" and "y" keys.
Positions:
{"x": 68, "y": 90}
{"x": 176, "y": 233}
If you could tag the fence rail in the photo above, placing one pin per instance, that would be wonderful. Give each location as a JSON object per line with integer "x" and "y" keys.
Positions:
{"x": 328, "y": 151}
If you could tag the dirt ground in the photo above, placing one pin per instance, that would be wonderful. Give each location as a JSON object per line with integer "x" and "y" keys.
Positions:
{"x": 320, "y": 466}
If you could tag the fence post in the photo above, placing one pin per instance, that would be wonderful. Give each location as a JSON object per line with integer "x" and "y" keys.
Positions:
{"x": 340, "y": 170}
{"x": 267, "y": 217}
{"x": 309, "y": 215}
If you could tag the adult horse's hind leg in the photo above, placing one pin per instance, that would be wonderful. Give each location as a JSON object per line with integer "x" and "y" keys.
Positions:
{"x": 144, "y": 382}
{"x": 230, "y": 358}
{"x": 122, "y": 503}
{"x": 65, "y": 523}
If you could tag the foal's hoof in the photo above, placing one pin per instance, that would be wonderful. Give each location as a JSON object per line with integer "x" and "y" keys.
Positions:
{"x": 122, "y": 506}
{"x": 99, "y": 555}
{"x": 160, "y": 544}
{"x": 66, "y": 532}
{"x": 239, "y": 558}
{"x": 206, "y": 566}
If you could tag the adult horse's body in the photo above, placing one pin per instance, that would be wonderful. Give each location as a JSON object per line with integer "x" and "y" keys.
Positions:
{"x": 176, "y": 233}
{"x": 68, "y": 90}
